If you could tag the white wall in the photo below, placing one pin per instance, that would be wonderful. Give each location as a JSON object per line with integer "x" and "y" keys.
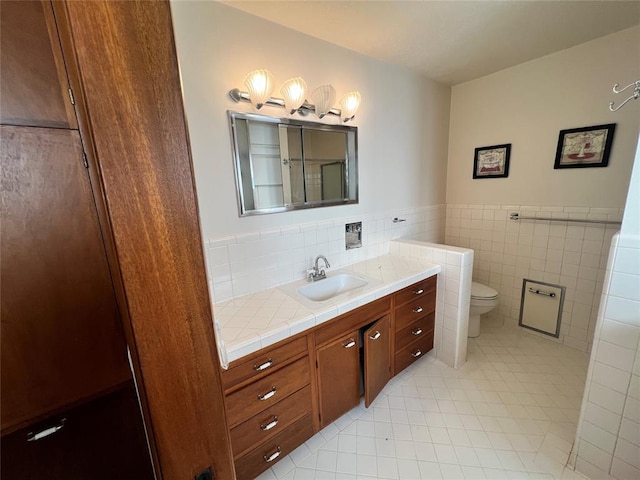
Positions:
{"x": 403, "y": 121}
{"x": 527, "y": 106}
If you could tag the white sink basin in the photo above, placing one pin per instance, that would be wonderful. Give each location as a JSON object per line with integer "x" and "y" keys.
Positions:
{"x": 331, "y": 287}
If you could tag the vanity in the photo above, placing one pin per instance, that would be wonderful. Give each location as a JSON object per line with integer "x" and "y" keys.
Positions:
{"x": 282, "y": 394}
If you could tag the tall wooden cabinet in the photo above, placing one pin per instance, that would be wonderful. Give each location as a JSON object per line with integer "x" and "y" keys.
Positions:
{"x": 88, "y": 250}
{"x": 67, "y": 389}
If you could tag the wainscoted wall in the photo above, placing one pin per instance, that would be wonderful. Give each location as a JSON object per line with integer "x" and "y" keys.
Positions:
{"x": 242, "y": 264}
{"x": 608, "y": 437}
{"x": 570, "y": 254}
{"x": 454, "y": 295}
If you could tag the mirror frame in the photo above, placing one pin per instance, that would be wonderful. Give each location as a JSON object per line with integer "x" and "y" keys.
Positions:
{"x": 232, "y": 115}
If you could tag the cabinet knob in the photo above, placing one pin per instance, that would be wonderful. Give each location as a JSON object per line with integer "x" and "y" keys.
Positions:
{"x": 375, "y": 336}
{"x": 417, "y": 310}
{"x": 268, "y": 395}
{"x": 264, "y": 366}
{"x": 270, "y": 425}
{"x": 273, "y": 456}
{"x": 417, "y": 332}
{"x": 416, "y": 354}
{"x": 350, "y": 343}
{"x": 418, "y": 292}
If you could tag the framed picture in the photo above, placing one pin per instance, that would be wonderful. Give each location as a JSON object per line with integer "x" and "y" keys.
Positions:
{"x": 584, "y": 147}
{"x": 492, "y": 162}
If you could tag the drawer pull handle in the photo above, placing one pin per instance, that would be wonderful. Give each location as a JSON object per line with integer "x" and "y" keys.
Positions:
{"x": 419, "y": 292}
{"x": 273, "y": 456}
{"x": 375, "y": 336}
{"x": 417, "y": 310}
{"x": 270, "y": 425}
{"x": 350, "y": 343}
{"x": 268, "y": 395}
{"x": 264, "y": 366}
{"x": 32, "y": 437}
{"x": 417, "y": 332}
{"x": 416, "y": 354}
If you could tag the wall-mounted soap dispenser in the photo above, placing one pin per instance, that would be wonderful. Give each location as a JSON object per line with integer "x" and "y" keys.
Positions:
{"x": 353, "y": 235}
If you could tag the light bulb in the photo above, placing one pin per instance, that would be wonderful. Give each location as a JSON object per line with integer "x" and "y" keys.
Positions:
{"x": 260, "y": 85}
{"x": 294, "y": 92}
{"x": 349, "y": 104}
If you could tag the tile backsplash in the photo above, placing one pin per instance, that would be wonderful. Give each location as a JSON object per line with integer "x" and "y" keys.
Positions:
{"x": 242, "y": 264}
{"x": 506, "y": 251}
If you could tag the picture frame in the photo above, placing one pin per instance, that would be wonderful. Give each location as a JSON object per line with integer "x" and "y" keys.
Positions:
{"x": 492, "y": 161}
{"x": 584, "y": 147}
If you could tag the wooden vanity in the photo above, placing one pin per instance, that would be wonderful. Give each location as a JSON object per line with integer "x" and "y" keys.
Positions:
{"x": 278, "y": 397}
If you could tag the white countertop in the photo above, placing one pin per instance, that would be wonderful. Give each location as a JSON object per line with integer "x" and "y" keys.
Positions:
{"x": 258, "y": 320}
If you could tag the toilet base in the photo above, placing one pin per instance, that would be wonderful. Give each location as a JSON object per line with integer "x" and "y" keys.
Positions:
{"x": 474, "y": 326}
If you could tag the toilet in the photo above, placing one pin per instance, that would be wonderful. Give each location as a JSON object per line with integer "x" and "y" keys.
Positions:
{"x": 483, "y": 300}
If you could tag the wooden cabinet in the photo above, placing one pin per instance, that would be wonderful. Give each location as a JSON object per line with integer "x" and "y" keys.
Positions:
{"x": 34, "y": 90}
{"x": 414, "y": 315}
{"x": 69, "y": 407}
{"x": 269, "y": 405}
{"x": 62, "y": 339}
{"x": 338, "y": 376}
{"x": 280, "y": 396}
{"x": 377, "y": 358}
{"x": 344, "y": 361}
{"x": 99, "y": 440}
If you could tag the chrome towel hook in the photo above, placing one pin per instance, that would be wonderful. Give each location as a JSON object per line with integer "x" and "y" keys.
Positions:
{"x": 635, "y": 95}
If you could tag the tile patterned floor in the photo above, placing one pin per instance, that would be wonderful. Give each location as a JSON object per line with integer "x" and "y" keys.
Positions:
{"x": 509, "y": 413}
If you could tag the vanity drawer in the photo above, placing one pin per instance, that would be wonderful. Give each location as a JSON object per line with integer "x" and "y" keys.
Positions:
{"x": 412, "y": 352}
{"x": 412, "y": 311}
{"x": 265, "y": 392}
{"x": 416, "y": 291}
{"x": 249, "y": 466}
{"x": 262, "y": 362}
{"x": 412, "y": 332}
{"x": 270, "y": 422}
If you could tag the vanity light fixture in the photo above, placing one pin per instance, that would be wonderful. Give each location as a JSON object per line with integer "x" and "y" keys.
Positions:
{"x": 260, "y": 85}
{"x": 294, "y": 92}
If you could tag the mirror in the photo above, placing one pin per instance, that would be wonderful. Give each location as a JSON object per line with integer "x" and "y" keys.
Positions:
{"x": 284, "y": 164}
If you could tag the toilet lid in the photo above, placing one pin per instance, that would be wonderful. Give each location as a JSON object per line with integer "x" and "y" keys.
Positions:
{"x": 479, "y": 290}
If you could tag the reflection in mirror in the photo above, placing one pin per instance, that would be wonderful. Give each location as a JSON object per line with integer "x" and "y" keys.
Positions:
{"x": 286, "y": 164}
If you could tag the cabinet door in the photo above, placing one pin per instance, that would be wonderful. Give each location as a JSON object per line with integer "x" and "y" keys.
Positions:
{"x": 34, "y": 89}
{"x": 377, "y": 358}
{"x": 100, "y": 440}
{"x": 62, "y": 339}
{"x": 338, "y": 377}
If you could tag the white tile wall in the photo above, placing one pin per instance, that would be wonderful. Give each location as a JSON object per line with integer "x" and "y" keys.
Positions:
{"x": 608, "y": 437}
{"x": 453, "y": 298}
{"x": 243, "y": 264}
{"x": 570, "y": 254}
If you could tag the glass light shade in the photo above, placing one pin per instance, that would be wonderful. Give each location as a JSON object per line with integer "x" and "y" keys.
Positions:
{"x": 323, "y": 98}
{"x": 260, "y": 85}
{"x": 294, "y": 92}
{"x": 349, "y": 105}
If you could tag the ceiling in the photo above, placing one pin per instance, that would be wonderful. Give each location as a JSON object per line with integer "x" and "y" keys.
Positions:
{"x": 451, "y": 41}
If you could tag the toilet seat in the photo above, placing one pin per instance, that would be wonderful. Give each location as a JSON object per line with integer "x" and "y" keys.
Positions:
{"x": 482, "y": 292}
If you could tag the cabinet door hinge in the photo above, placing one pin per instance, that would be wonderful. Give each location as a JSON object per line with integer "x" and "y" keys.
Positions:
{"x": 85, "y": 162}
{"x": 71, "y": 97}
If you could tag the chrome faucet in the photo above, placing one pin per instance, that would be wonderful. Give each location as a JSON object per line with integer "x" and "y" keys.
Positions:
{"x": 316, "y": 273}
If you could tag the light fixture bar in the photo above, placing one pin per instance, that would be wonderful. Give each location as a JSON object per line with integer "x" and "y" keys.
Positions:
{"x": 238, "y": 95}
